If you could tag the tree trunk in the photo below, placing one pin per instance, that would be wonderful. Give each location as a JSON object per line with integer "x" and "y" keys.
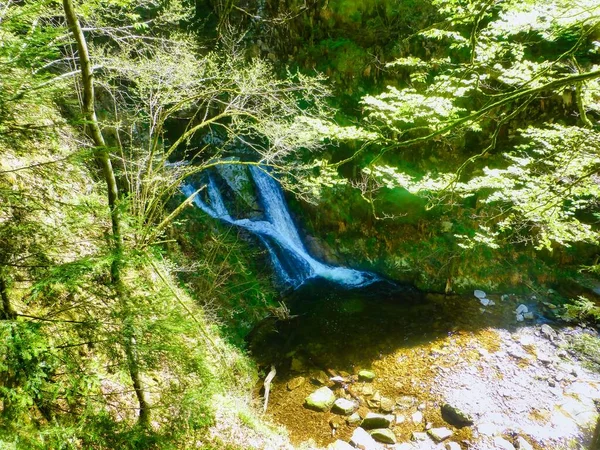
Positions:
{"x": 8, "y": 313}
{"x": 103, "y": 159}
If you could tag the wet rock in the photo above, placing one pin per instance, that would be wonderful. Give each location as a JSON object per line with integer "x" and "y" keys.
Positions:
{"x": 479, "y": 294}
{"x": 417, "y": 417}
{"x": 340, "y": 445}
{"x": 362, "y": 440}
{"x": 354, "y": 419}
{"x": 374, "y": 420}
{"x": 384, "y": 435}
{"x": 419, "y": 436}
{"x": 520, "y": 318}
{"x": 320, "y": 400}
{"x": 522, "y": 444}
{"x": 344, "y": 406}
{"x": 548, "y": 332}
{"x": 405, "y": 402}
{"x": 528, "y": 316}
{"x": 454, "y": 416}
{"x": 440, "y": 434}
{"x": 485, "y": 301}
{"x": 319, "y": 378}
{"x": 295, "y": 383}
{"x": 504, "y": 298}
{"x": 503, "y": 444}
{"x": 366, "y": 375}
{"x": 452, "y": 446}
{"x": 521, "y": 309}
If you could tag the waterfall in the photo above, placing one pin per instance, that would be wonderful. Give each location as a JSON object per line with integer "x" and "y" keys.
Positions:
{"x": 276, "y": 229}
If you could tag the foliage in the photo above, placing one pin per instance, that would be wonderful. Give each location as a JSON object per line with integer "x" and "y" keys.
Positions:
{"x": 581, "y": 310}
{"x": 485, "y": 75}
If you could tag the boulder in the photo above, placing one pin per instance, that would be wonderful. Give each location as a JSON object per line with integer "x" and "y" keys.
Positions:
{"x": 374, "y": 420}
{"x": 320, "y": 400}
{"x": 384, "y": 435}
{"x": 344, "y": 406}
{"x": 454, "y": 416}
{"x": 366, "y": 375}
{"x": 362, "y": 440}
{"x": 440, "y": 434}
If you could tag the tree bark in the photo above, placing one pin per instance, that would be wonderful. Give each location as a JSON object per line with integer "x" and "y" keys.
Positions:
{"x": 8, "y": 313}
{"x": 103, "y": 159}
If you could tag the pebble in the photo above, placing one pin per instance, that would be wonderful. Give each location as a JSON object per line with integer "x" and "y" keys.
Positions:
{"x": 440, "y": 434}
{"x": 374, "y": 420}
{"x": 417, "y": 417}
{"x": 405, "y": 402}
{"x": 548, "y": 332}
{"x": 384, "y": 435}
{"x": 479, "y": 294}
{"x": 366, "y": 375}
{"x": 344, "y": 406}
{"x": 521, "y": 309}
{"x": 340, "y": 445}
{"x": 361, "y": 439}
{"x": 419, "y": 436}
{"x": 353, "y": 419}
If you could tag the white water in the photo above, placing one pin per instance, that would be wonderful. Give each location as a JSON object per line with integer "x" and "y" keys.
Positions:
{"x": 291, "y": 261}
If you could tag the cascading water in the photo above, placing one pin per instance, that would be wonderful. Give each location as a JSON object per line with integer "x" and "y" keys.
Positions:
{"x": 292, "y": 262}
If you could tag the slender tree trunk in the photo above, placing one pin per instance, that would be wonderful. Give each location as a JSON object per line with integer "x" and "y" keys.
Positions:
{"x": 102, "y": 156}
{"x": 8, "y": 313}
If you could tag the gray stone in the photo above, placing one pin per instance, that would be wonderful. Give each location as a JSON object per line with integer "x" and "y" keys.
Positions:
{"x": 384, "y": 435}
{"x": 344, "y": 406}
{"x": 419, "y": 436}
{"x": 340, "y": 445}
{"x": 374, "y": 420}
{"x": 362, "y": 440}
{"x": 548, "y": 332}
{"x": 454, "y": 416}
{"x": 295, "y": 383}
{"x": 366, "y": 375}
{"x": 522, "y": 444}
{"x": 354, "y": 419}
{"x": 440, "y": 434}
{"x": 479, "y": 294}
{"x": 417, "y": 417}
{"x": 503, "y": 444}
{"x": 521, "y": 309}
{"x": 320, "y": 400}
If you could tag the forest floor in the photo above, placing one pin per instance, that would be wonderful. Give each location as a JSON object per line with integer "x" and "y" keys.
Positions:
{"x": 517, "y": 380}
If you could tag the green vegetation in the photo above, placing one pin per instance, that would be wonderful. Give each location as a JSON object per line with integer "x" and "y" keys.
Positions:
{"x": 469, "y": 155}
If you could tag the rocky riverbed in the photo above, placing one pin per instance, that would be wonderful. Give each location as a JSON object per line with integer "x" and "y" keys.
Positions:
{"x": 407, "y": 372}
